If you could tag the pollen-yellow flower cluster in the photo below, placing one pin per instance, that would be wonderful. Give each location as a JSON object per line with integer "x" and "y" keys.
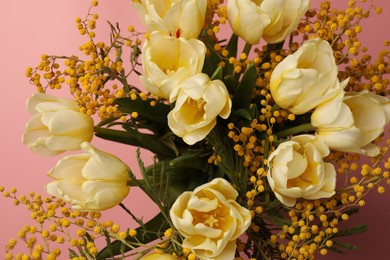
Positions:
{"x": 94, "y": 81}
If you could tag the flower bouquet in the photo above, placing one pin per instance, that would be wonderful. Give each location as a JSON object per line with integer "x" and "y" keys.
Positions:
{"x": 256, "y": 153}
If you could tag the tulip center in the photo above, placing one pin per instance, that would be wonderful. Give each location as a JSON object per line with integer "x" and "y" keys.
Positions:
{"x": 193, "y": 111}
{"x": 304, "y": 180}
{"x": 211, "y": 219}
{"x": 168, "y": 72}
{"x": 257, "y": 2}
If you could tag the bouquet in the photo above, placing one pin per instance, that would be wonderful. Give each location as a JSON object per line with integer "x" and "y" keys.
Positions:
{"x": 257, "y": 139}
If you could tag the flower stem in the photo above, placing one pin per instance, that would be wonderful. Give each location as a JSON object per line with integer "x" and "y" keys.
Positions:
{"x": 296, "y": 130}
{"x": 131, "y": 214}
{"x": 247, "y": 48}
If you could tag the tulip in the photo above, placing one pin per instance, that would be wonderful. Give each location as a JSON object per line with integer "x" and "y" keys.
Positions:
{"x": 306, "y": 78}
{"x": 184, "y": 18}
{"x": 210, "y": 220}
{"x": 285, "y": 16}
{"x": 297, "y": 170}
{"x": 351, "y": 122}
{"x": 92, "y": 181}
{"x": 168, "y": 60}
{"x": 247, "y": 19}
{"x": 56, "y": 125}
{"x": 199, "y": 102}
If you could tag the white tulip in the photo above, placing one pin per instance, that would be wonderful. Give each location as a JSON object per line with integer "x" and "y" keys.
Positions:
{"x": 168, "y": 60}
{"x": 350, "y": 122}
{"x": 199, "y": 102}
{"x": 92, "y": 181}
{"x": 56, "y": 125}
{"x": 247, "y": 19}
{"x": 297, "y": 170}
{"x": 210, "y": 220}
{"x": 285, "y": 16}
{"x": 306, "y": 78}
{"x": 183, "y": 18}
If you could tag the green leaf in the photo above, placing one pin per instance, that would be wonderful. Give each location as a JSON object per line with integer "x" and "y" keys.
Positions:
{"x": 242, "y": 113}
{"x": 72, "y": 253}
{"x": 217, "y": 74}
{"x": 213, "y": 59}
{"x": 337, "y": 250}
{"x": 232, "y": 49}
{"x": 231, "y": 83}
{"x": 143, "y": 237}
{"x": 135, "y": 138}
{"x": 243, "y": 95}
{"x": 232, "y": 45}
{"x": 189, "y": 160}
{"x": 157, "y": 113}
{"x": 110, "y": 252}
{"x": 336, "y": 247}
{"x": 351, "y": 231}
{"x": 280, "y": 222}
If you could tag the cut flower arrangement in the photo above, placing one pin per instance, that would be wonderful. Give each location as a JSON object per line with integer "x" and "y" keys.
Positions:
{"x": 257, "y": 139}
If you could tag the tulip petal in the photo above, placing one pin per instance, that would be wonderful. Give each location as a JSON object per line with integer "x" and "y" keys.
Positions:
{"x": 39, "y": 99}
{"x": 71, "y": 192}
{"x": 52, "y": 188}
{"x": 103, "y": 165}
{"x": 104, "y": 194}
{"x": 70, "y": 168}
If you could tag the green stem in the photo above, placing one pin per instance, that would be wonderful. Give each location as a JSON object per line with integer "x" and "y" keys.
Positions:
{"x": 135, "y": 183}
{"x": 247, "y": 48}
{"x": 131, "y": 214}
{"x": 296, "y": 130}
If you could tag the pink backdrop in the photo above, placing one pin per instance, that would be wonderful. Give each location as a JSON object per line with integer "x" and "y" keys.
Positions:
{"x": 31, "y": 28}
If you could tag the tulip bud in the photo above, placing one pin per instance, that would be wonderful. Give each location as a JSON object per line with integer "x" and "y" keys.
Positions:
{"x": 285, "y": 16}
{"x": 183, "y": 18}
{"x": 92, "y": 181}
{"x": 57, "y": 125}
{"x": 247, "y": 19}
{"x": 306, "y": 78}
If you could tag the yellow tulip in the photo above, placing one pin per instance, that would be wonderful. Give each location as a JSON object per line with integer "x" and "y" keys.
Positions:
{"x": 184, "y": 18}
{"x": 57, "y": 125}
{"x": 247, "y": 19}
{"x": 351, "y": 121}
{"x": 306, "y": 78}
{"x": 297, "y": 170}
{"x": 92, "y": 181}
{"x": 210, "y": 220}
{"x": 168, "y": 60}
{"x": 285, "y": 16}
{"x": 199, "y": 102}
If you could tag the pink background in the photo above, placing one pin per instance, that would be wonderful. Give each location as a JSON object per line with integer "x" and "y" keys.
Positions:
{"x": 31, "y": 28}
